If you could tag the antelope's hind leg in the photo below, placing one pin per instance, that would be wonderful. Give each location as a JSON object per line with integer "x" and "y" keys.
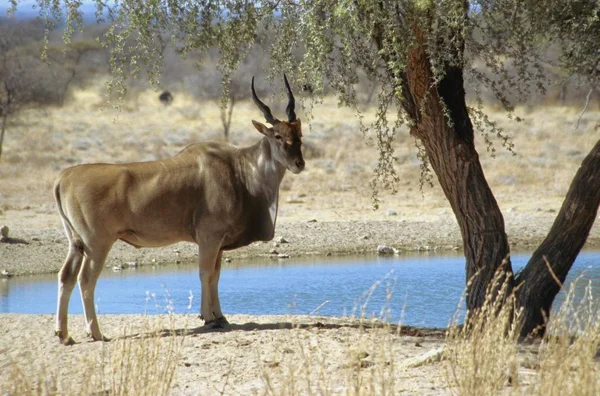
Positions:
{"x": 88, "y": 276}
{"x": 66, "y": 283}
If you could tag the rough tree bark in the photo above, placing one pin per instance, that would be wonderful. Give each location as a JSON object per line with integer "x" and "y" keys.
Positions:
{"x": 451, "y": 150}
{"x": 537, "y": 286}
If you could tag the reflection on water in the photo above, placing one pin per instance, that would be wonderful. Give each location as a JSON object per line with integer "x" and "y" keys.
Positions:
{"x": 421, "y": 290}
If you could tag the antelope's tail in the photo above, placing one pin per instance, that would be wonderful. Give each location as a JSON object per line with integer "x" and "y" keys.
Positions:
{"x": 74, "y": 238}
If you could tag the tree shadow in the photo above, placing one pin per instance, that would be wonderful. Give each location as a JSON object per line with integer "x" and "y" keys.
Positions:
{"x": 253, "y": 326}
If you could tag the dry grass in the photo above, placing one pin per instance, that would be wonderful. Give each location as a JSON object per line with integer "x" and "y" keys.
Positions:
{"x": 486, "y": 357}
{"x": 568, "y": 362}
{"x": 483, "y": 355}
{"x": 141, "y": 361}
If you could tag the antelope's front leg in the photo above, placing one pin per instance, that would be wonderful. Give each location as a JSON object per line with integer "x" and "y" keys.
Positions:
{"x": 214, "y": 292}
{"x": 208, "y": 253}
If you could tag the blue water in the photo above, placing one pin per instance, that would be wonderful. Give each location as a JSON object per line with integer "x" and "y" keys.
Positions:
{"x": 421, "y": 290}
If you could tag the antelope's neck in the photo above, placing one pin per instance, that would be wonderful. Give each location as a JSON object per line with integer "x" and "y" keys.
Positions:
{"x": 262, "y": 172}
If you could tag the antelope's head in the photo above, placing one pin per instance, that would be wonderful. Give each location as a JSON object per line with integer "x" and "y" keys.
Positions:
{"x": 285, "y": 137}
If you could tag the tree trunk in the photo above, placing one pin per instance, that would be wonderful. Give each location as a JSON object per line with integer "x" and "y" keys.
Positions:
{"x": 447, "y": 135}
{"x": 537, "y": 286}
{"x": 226, "y": 114}
{"x": 2, "y": 131}
{"x": 438, "y": 111}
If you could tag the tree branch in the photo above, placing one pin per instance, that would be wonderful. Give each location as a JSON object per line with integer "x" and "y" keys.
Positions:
{"x": 587, "y": 102}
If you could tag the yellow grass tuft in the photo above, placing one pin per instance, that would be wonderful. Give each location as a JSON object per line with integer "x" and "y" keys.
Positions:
{"x": 141, "y": 363}
{"x": 483, "y": 353}
{"x": 486, "y": 357}
{"x": 568, "y": 363}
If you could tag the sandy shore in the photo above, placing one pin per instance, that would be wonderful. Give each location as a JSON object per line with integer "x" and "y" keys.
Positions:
{"x": 258, "y": 353}
{"x": 38, "y": 245}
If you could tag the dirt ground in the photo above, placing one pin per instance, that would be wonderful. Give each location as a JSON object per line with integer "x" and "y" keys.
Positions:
{"x": 326, "y": 210}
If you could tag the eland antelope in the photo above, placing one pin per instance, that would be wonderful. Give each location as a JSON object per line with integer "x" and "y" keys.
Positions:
{"x": 216, "y": 195}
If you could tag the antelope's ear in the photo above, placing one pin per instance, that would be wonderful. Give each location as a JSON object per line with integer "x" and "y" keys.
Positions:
{"x": 262, "y": 128}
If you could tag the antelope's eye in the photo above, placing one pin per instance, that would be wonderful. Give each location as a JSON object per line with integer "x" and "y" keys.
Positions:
{"x": 278, "y": 137}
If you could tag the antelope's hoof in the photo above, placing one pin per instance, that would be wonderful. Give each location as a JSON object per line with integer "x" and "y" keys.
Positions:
{"x": 67, "y": 341}
{"x": 213, "y": 324}
{"x": 222, "y": 321}
{"x": 100, "y": 338}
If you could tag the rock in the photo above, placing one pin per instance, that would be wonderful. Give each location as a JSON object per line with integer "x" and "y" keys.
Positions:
{"x": 273, "y": 251}
{"x": 357, "y": 359}
{"x": 228, "y": 259}
{"x": 132, "y": 263}
{"x": 5, "y": 274}
{"x": 384, "y": 250}
{"x": 118, "y": 267}
{"x": 4, "y": 232}
{"x": 432, "y": 356}
{"x": 312, "y": 221}
{"x": 283, "y": 256}
{"x": 282, "y": 240}
{"x": 391, "y": 212}
{"x": 365, "y": 237}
